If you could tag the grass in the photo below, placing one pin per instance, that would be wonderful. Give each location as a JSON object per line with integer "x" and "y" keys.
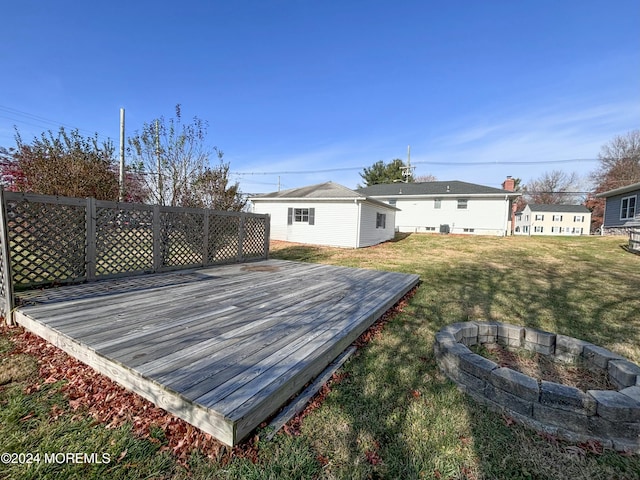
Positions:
{"x": 393, "y": 414}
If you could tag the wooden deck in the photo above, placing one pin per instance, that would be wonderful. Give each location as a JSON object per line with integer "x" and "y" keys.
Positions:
{"x": 221, "y": 347}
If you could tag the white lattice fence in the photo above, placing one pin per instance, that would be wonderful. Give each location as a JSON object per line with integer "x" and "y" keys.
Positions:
{"x": 50, "y": 240}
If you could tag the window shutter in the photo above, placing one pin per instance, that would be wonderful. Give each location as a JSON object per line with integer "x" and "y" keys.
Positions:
{"x": 290, "y": 216}
{"x": 312, "y": 216}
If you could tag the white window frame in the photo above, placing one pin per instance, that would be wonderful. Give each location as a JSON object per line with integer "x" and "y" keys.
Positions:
{"x": 539, "y": 216}
{"x": 578, "y": 218}
{"x": 628, "y": 211}
{"x": 538, "y": 229}
{"x": 437, "y": 203}
{"x": 557, "y": 218}
{"x": 463, "y": 204}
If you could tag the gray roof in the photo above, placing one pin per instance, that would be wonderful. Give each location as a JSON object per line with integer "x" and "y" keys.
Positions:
{"x": 453, "y": 187}
{"x": 558, "y": 208}
{"x": 320, "y": 190}
{"x": 620, "y": 191}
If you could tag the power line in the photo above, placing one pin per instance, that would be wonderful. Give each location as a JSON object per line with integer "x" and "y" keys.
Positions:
{"x": 46, "y": 123}
{"x": 343, "y": 169}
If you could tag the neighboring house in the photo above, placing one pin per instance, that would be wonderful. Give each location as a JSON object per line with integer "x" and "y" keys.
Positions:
{"x": 448, "y": 207}
{"x": 327, "y": 214}
{"x": 538, "y": 219}
{"x": 621, "y": 209}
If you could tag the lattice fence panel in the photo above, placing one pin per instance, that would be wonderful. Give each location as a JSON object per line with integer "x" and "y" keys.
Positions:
{"x": 4, "y": 308}
{"x": 182, "y": 238}
{"x": 124, "y": 241}
{"x": 223, "y": 238}
{"x": 47, "y": 242}
{"x": 255, "y": 230}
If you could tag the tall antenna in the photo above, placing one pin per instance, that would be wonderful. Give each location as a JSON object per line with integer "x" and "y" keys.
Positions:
{"x": 407, "y": 171}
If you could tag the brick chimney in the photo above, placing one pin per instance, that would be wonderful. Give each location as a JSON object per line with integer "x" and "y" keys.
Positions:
{"x": 509, "y": 184}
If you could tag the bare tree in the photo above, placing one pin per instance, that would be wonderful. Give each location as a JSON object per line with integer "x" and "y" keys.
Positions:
{"x": 429, "y": 177}
{"x": 171, "y": 155}
{"x": 619, "y": 166}
{"x": 556, "y": 187}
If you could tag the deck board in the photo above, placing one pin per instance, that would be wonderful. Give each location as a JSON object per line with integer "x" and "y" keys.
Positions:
{"x": 222, "y": 347}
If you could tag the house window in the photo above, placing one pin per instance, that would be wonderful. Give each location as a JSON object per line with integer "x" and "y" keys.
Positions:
{"x": 578, "y": 218}
{"x": 301, "y": 215}
{"x": 539, "y": 216}
{"x": 577, "y": 230}
{"x": 538, "y": 229}
{"x": 462, "y": 204}
{"x": 468, "y": 230}
{"x": 392, "y": 201}
{"x": 437, "y": 203}
{"x": 526, "y": 218}
{"x": 557, "y": 218}
{"x": 628, "y": 208}
{"x": 525, "y": 229}
{"x": 381, "y": 220}
{"x": 430, "y": 229}
{"x": 556, "y": 229}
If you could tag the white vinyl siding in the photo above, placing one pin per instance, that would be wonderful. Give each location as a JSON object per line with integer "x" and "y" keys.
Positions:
{"x": 335, "y": 223}
{"x": 485, "y": 216}
{"x": 370, "y": 234}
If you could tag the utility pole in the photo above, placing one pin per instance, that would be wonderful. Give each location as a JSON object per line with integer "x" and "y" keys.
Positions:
{"x": 408, "y": 170}
{"x": 122, "y": 188}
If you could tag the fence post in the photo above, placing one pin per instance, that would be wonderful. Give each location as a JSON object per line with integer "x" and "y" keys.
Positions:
{"x": 205, "y": 239}
{"x": 90, "y": 258}
{"x": 267, "y": 233}
{"x": 7, "y": 273}
{"x": 157, "y": 241}
{"x": 241, "y": 232}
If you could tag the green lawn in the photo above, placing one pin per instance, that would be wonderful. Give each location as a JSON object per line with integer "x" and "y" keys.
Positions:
{"x": 393, "y": 414}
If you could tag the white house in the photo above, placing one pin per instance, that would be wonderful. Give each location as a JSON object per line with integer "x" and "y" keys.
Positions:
{"x": 448, "y": 207}
{"x": 539, "y": 219}
{"x": 327, "y": 214}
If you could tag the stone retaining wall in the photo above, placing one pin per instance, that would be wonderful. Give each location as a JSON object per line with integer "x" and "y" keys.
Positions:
{"x": 609, "y": 416}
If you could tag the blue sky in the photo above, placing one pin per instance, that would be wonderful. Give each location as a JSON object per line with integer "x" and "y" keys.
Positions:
{"x": 328, "y": 87}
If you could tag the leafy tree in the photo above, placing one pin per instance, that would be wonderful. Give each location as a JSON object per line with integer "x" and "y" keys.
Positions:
{"x": 380, "y": 172}
{"x": 64, "y": 164}
{"x": 552, "y": 188}
{"x": 211, "y": 190}
{"x": 619, "y": 166}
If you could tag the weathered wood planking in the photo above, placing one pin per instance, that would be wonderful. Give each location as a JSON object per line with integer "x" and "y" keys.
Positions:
{"x": 221, "y": 347}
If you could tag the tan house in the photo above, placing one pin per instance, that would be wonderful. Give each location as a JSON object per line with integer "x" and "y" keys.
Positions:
{"x": 537, "y": 219}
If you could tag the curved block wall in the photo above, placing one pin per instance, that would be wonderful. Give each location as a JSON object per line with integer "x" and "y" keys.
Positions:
{"x": 609, "y": 416}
